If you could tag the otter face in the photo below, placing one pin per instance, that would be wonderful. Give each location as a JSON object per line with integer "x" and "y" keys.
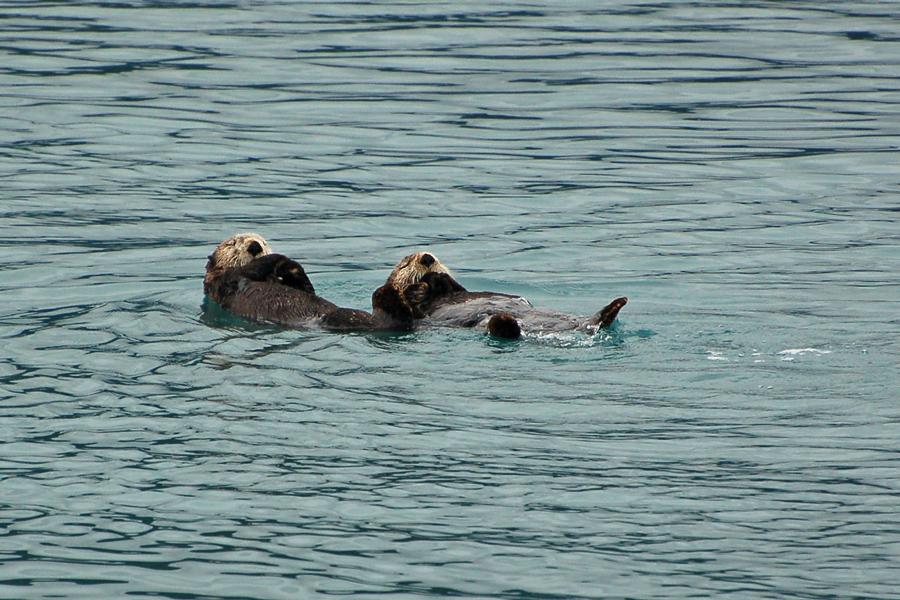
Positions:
{"x": 236, "y": 251}
{"x": 411, "y": 269}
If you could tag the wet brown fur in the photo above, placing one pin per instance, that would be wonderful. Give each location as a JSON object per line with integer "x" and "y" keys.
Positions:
{"x": 273, "y": 289}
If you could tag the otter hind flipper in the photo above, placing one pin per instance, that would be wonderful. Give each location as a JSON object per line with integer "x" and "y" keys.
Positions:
{"x": 504, "y": 326}
{"x": 608, "y": 314}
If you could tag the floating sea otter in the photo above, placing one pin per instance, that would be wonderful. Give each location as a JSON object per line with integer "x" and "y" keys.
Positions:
{"x": 440, "y": 300}
{"x": 244, "y": 278}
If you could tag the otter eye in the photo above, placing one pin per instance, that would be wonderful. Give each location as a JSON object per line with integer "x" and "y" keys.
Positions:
{"x": 427, "y": 260}
{"x": 254, "y": 248}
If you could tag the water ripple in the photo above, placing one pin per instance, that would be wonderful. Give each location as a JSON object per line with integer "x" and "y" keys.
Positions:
{"x": 728, "y": 168}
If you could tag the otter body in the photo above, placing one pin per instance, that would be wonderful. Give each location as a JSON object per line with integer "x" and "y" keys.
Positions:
{"x": 478, "y": 311}
{"x": 438, "y": 299}
{"x": 275, "y": 290}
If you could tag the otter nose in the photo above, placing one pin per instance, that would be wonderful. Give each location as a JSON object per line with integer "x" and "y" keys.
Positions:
{"x": 254, "y": 248}
{"x": 427, "y": 260}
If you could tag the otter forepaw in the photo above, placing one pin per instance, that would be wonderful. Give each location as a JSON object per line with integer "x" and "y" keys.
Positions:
{"x": 417, "y": 295}
{"x": 389, "y": 305}
{"x": 291, "y": 274}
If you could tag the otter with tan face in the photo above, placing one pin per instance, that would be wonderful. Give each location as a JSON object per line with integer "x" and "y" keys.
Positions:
{"x": 438, "y": 299}
{"x": 236, "y": 251}
{"x": 412, "y": 268}
{"x": 273, "y": 289}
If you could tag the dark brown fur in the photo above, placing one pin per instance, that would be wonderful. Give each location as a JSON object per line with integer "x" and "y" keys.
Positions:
{"x": 274, "y": 289}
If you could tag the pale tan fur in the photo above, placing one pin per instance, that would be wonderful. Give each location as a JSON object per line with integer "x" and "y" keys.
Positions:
{"x": 411, "y": 269}
{"x": 233, "y": 252}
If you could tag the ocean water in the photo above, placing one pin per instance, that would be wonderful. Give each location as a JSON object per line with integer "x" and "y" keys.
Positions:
{"x": 731, "y": 167}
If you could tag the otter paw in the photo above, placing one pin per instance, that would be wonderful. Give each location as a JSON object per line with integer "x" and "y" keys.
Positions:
{"x": 389, "y": 305}
{"x": 292, "y": 275}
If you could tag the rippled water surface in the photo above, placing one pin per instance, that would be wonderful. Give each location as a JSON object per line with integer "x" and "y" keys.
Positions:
{"x": 730, "y": 167}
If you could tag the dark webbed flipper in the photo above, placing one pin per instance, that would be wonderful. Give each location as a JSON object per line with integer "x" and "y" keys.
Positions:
{"x": 504, "y": 326}
{"x": 605, "y": 317}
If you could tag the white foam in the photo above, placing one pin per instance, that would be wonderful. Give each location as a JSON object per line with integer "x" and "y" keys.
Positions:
{"x": 789, "y": 354}
{"x": 796, "y": 351}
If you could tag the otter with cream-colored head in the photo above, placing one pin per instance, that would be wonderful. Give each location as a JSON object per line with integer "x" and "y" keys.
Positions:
{"x": 438, "y": 299}
{"x": 412, "y": 268}
{"x": 236, "y": 251}
{"x": 245, "y": 278}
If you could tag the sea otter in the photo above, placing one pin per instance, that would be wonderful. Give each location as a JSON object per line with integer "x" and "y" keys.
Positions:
{"x": 236, "y": 251}
{"x": 438, "y": 299}
{"x": 273, "y": 289}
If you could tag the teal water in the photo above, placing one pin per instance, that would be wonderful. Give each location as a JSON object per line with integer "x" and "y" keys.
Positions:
{"x": 732, "y": 168}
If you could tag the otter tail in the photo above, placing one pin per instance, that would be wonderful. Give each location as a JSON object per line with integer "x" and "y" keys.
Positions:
{"x": 605, "y": 317}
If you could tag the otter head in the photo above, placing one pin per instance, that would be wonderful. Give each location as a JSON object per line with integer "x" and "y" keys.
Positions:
{"x": 413, "y": 268}
{"x": 236, "y": 251}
